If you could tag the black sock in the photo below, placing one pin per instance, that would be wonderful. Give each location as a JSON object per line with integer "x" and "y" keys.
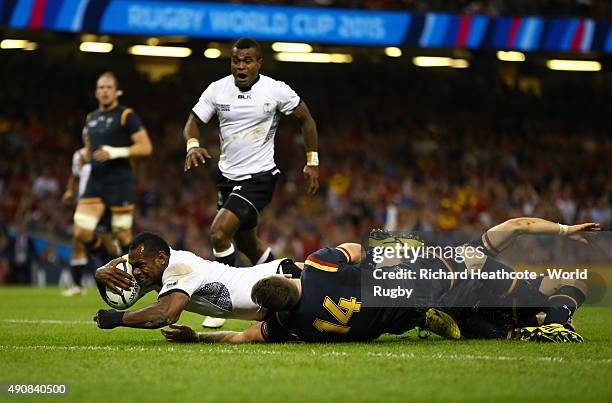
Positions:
{"x": 77, "y": 274}
{"x": 227, "y": 256}
{"x": 228, "y": 260}
{"x": 265, "y": 257}
{"x": 270, "y": 257}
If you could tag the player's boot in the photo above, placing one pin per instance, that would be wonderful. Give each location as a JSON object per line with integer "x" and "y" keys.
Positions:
{"x": 73, "y": 291}
{"x": 213, "y": 323}
{"x": 553, "y": 333}
{"x": 442, "y": 324}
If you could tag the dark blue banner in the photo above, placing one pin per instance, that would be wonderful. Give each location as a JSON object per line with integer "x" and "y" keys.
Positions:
{"x": 225, "y": 21}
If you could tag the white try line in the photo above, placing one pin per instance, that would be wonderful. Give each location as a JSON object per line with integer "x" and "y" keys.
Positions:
{"x": 343, "y": 354}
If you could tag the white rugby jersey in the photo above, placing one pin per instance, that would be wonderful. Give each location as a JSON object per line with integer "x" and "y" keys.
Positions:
{"x": 248, "y": 121}
{"x": 80, "y": 170}
{"x": 216, "y": 289}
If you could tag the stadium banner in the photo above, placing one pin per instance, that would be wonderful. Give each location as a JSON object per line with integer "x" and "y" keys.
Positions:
{"x": 464, "y": 269}
{"x": 316, "y": 25}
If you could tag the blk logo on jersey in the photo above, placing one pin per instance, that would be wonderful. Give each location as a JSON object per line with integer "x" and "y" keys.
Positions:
{"x": 242, "y": 96}
{"x": 239, "y": 187}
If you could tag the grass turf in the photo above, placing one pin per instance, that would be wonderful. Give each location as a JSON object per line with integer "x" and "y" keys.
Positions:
{"x": 47, "y": 338}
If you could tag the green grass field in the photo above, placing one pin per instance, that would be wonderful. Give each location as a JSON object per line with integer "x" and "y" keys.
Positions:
{"x": 47, "y": 338}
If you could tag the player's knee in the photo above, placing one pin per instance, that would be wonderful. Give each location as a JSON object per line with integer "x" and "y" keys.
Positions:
{"x": 121, "y": 222}
{"x": 84, "y": 222}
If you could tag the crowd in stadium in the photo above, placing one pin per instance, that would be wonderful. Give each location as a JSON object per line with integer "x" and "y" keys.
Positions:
{"x": 418, "y": 150}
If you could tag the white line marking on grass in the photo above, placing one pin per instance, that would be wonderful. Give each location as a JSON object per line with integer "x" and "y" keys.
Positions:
{"x": 47, "y": 322}
{"x": 237, "y": 350}
{"x": 472, "y": 357}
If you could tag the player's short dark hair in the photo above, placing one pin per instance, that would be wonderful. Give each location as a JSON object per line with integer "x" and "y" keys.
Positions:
{"x": 247, "y": 43}
{"x": 152, "y": 243}
{"x": 112, "y": 75}
{"x": 275, "y": 293}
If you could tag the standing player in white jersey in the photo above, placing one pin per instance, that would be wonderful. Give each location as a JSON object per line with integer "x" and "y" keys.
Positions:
{"x": 248, "y": 105}
{"x": 81, "y": 169}
{"x": 184, "y": 281}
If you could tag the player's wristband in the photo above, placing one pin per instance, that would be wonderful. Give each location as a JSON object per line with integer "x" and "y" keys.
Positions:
{"x": 312, "y": 159}
{"x": 563, "y": 229}
{"x": 117, "y": 152}
{"x": 109, "y": 318}
{"x": 192, "y": 143}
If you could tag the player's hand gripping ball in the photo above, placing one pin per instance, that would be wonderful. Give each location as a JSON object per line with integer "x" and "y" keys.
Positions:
{"x": 127, "y": 298}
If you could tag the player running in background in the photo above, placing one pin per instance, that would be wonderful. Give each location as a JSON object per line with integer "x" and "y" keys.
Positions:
{"x": 113, "y": 134}
{"x": 184, "y": 281}
{"x": 248, "y": 105}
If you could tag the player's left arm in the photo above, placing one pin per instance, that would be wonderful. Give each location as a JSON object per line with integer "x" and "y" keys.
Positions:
{"x": 185, "y": 334}
{"x": 166, "y": 311}
{"x": 311, "y": 141}
{"x": 501, "y": 236}
{"x": 141, "y": 146}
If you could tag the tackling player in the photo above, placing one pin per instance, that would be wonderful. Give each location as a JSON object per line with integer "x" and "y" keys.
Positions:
{"x": 113, "y": 133}
{"x": 183, "y": 281}
{"x": 249, "y": 106}
{"x": 324, "y": 304}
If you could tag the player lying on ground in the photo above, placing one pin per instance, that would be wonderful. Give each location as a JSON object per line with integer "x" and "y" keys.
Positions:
{"x": 184, "y": 281}
{"x": 324, "y": 304}
{"x": 519, "y": 306}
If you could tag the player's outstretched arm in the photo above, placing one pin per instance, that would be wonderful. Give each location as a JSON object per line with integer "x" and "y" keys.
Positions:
{"x": 163, "y": 313}
{"x": 502, "y": 235}
{"x": 196, "y": 154}
{"x": 185, "y": 334}
{"x": 311, "y": 141}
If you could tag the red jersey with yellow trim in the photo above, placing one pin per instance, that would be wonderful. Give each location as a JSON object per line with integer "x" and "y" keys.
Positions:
{"x": 330, "y": 309}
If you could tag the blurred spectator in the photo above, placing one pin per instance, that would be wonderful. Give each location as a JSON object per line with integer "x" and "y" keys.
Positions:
{"x": 21, "y": 255}
{"x": 4, "y": 255}
{"x": 420, "y": 150}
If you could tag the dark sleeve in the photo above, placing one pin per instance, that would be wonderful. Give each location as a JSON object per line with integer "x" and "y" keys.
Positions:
{"x": 132, "y": 122}
{"x": 327, "y": 259}
{"x": 483, "y": 243}
{"x": 274, "y": 332}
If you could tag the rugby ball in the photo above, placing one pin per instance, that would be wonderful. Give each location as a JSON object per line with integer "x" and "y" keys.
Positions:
{"x": 127, "y": 298}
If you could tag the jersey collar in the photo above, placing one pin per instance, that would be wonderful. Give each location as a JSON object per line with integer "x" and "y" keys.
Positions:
{"x": 247, "y": 89}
